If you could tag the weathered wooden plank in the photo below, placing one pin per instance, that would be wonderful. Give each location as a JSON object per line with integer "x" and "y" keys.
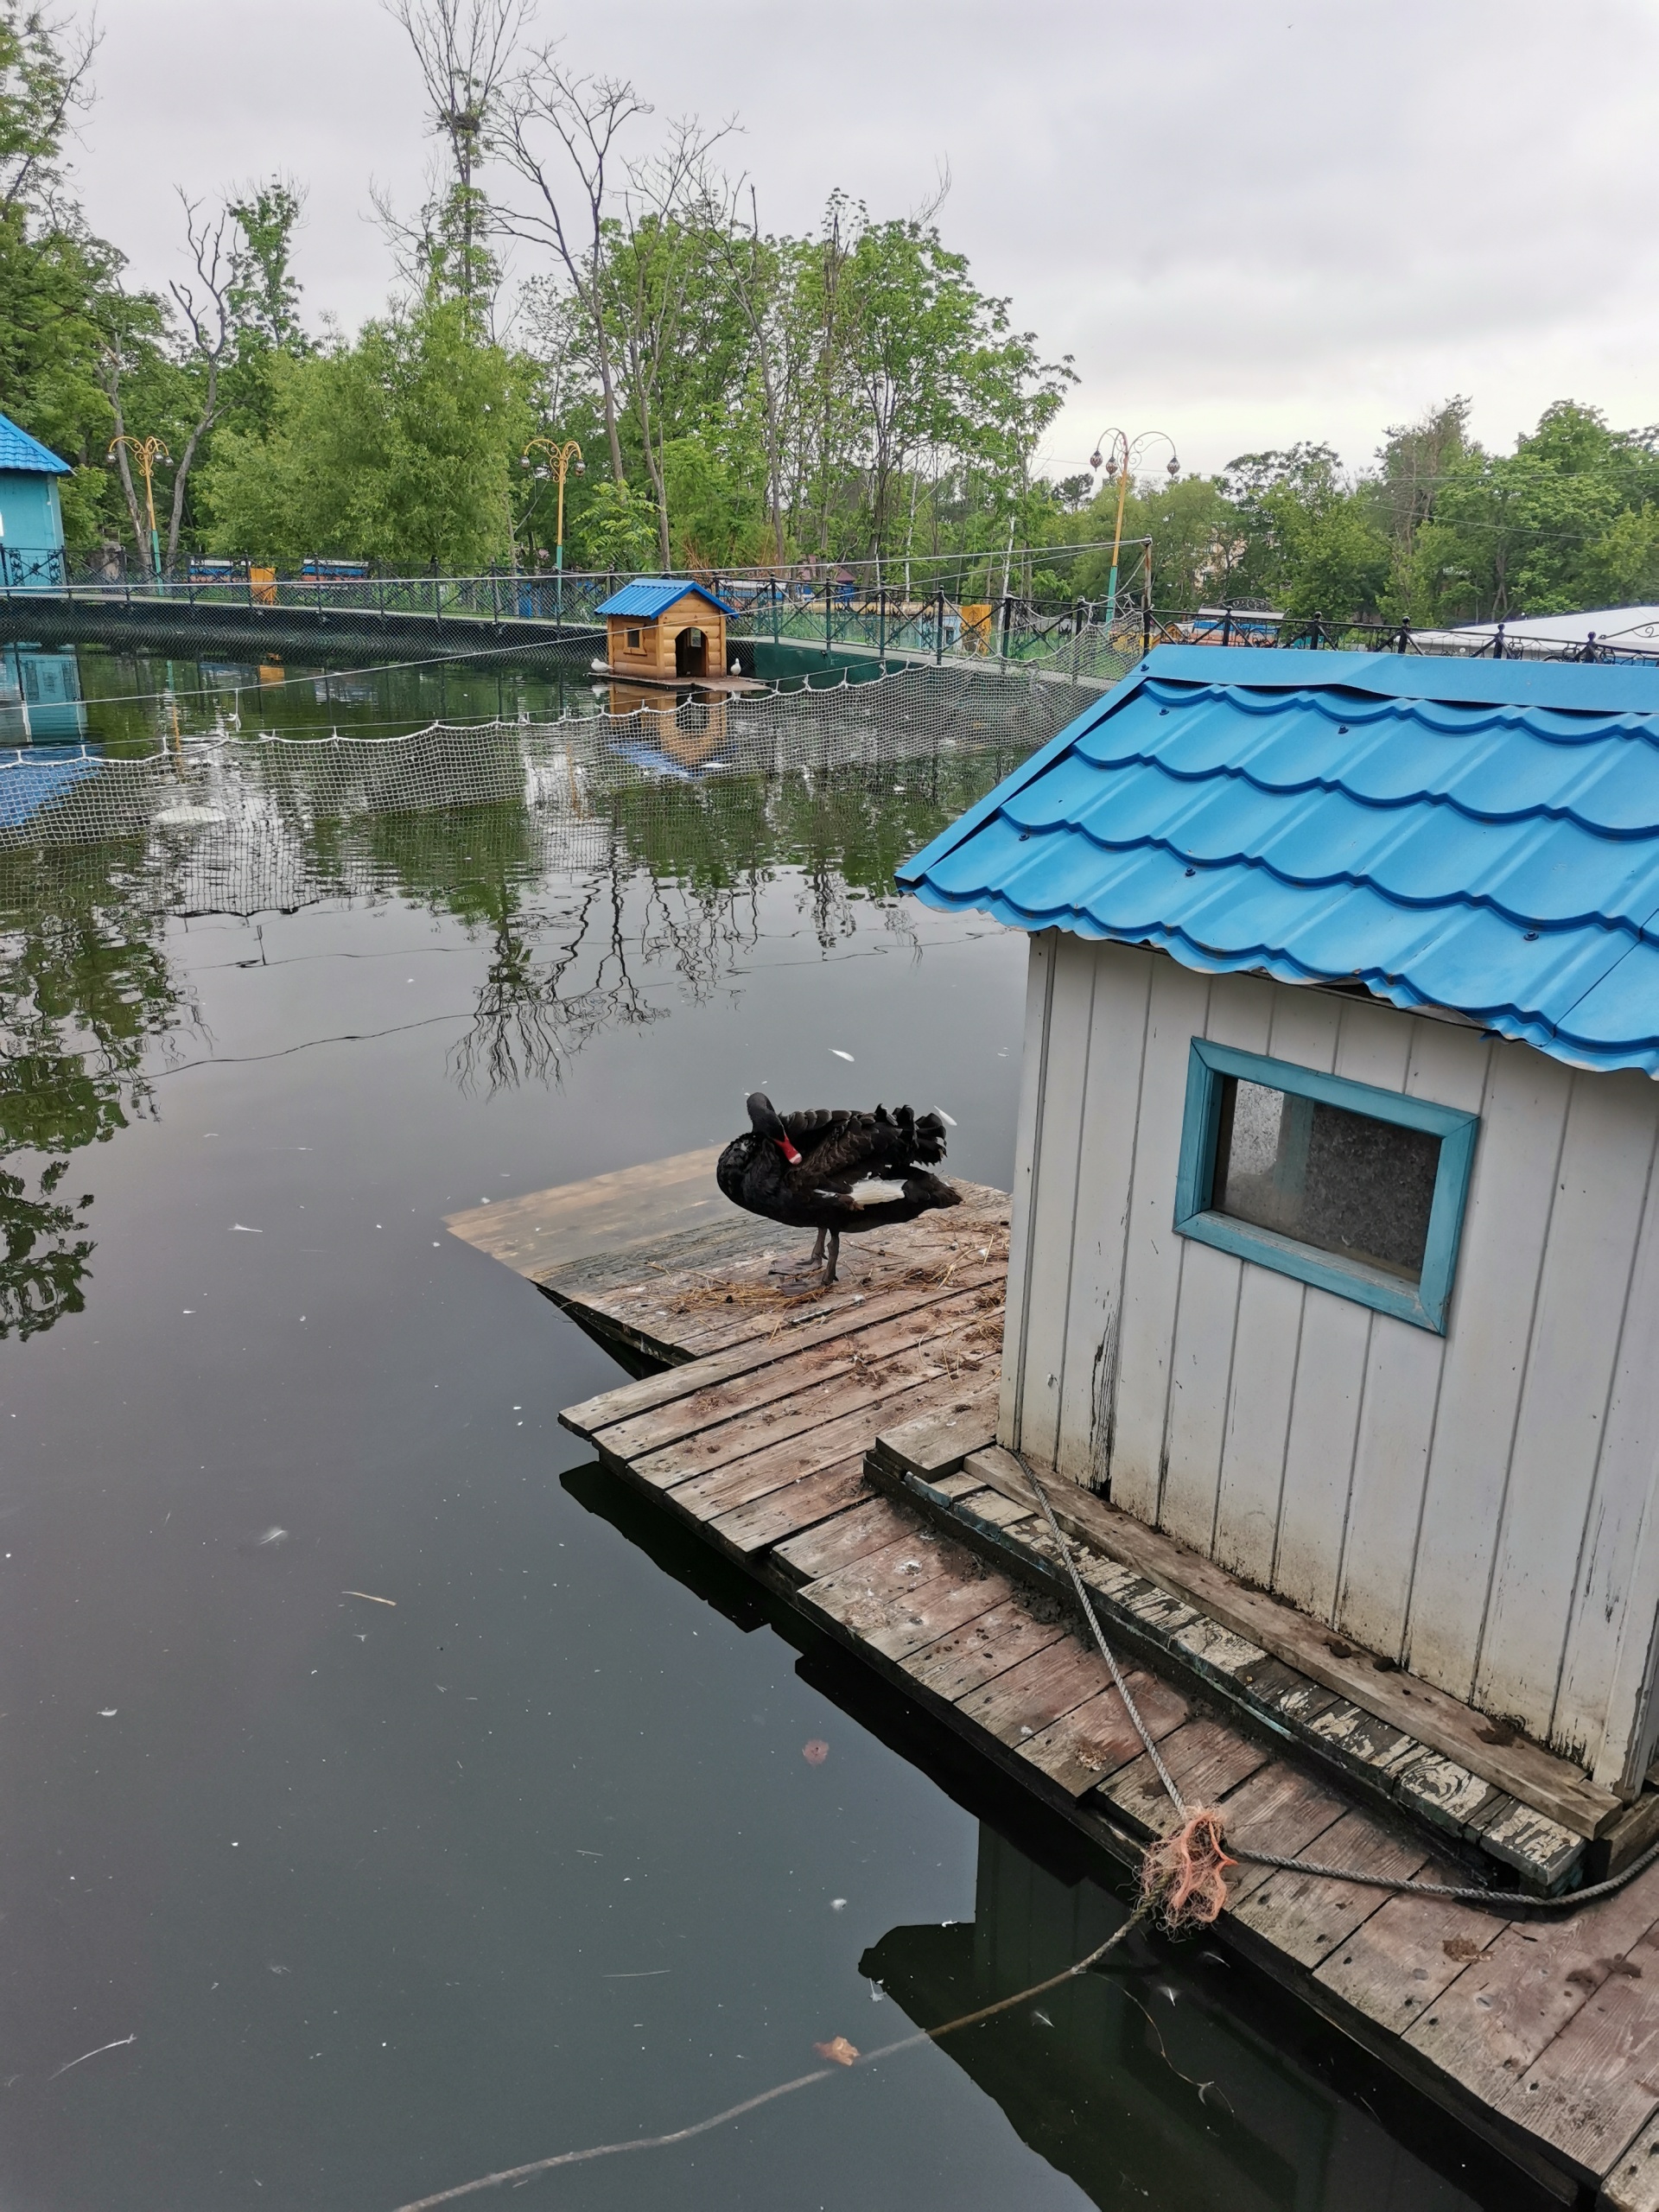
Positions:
{"x": 858, "y": 1387}
{"x": 1522, "y": 1115}
{"x": 1319, "y": 1453}
{"x": 1593, "y": 2087}
{"x": 1097, "y": 1738}
{"x": 1239, "y": 1013}
{"x": 604, "y": 1213}
{"x": 756, "y": 1353}
{"x": 1448, "y": 1064}
{"x": 1053, "y": 1195}
{"x": 978, "y": 1652}
{"x": 1281, "y": 1808}
{"x": 1089, "y": 1362}
{"x": 707, "y": 1495}
{"x": 1418, "y": 1708}
{"x": 1632, "y": 2182}
{"x": 1152, "y": 1267}
{"x": 1606, "y": 1156}
{"x": 1207, "y": 1759}
{"x": 898, "y": 1602}
{"x": 1608, "y": 1665}
{"x": 1491, "y": 2024}
{"x": 1039, "y": 974}
{"x": 1032, "y": 1695}
{"x": 1395, "y": 1967}
{"x": 937, "y": 1327}
{"x": 1200, "y": 1365}
{"x": 759, "y": 1522}
{"x": 935, "y": 1445}
{"x": 1306, "y": 1916}
{"x": 1265, "y": 1340}
{"x": 836, "y": 1543}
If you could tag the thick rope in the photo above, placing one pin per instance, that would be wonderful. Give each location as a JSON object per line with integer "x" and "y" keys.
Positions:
{"x": 1167, "y": 1870}
{"x": 843, "y": 2056}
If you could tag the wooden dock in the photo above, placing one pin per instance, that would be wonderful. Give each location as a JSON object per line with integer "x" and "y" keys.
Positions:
{"x": 839, "y": 1447}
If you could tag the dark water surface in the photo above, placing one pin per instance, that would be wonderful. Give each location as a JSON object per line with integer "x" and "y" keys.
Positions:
{"x": 372, "y": 1899}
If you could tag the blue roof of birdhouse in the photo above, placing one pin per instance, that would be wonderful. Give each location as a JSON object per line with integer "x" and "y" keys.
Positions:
{"x": 23, "y": 455}
{"x": 647, "y": 597}
{"x": 1475, "y": 835}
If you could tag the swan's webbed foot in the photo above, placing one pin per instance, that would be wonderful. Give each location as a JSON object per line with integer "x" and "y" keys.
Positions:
{"x": 802, "y": 1267}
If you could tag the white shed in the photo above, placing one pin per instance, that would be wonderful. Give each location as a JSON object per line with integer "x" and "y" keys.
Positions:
{"x": 1335, "y": 1247}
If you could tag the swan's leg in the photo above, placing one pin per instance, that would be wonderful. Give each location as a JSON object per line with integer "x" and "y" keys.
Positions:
{"x": 834, "y": 1254}
{"x": 800, "y": 1266}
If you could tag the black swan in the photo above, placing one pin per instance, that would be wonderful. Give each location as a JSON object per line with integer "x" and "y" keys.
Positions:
{"x": 833, "y": 1169}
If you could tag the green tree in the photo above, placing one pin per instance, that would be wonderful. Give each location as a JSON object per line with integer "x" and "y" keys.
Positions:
{"x": 401, "y": 447}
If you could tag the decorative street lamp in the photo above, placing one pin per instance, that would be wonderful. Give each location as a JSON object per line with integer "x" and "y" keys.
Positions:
{"x": 560, "y": 457}
{"x": 149, "y": 451}
{"x": 1123, "y": 451}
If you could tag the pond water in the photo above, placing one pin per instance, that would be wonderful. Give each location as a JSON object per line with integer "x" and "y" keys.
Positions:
{"x": 134, "y": 701}
{"x": 319, "y": 1899}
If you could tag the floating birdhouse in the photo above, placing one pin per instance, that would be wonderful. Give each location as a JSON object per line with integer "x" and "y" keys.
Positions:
{"x": 1335, "y": 1239}
{"x": 662, "y": 630}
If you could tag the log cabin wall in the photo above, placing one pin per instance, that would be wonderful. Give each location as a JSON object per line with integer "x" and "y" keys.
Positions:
{"x": 1478, "y": 1506}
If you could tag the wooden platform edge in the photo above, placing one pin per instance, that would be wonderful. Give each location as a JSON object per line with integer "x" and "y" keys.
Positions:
{"x": 1380, "y": 1765}
{"x": 1539, "y": 1778}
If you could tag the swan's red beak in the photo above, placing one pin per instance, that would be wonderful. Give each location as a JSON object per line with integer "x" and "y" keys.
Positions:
{"x": 789, "y": 1152}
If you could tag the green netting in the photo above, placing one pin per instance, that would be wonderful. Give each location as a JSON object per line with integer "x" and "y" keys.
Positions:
{"x": 243, "y": 823}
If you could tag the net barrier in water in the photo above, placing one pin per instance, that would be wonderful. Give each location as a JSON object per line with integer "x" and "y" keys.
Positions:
{"x": 240, "y": 823}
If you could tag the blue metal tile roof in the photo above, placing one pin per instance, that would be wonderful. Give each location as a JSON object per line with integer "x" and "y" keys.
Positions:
{"x": 649, "y": 596}
{"x": 1477, "y": 835}
{"x": 22, "y": 454}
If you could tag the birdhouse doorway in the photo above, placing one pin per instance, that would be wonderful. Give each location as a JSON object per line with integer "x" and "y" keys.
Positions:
{"x": 691, "y": 654}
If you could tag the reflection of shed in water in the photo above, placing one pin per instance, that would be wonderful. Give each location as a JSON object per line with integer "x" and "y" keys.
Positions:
{"x": 1110, "y": 2097}
{"x": 690, "y": 734}
{"x": 40, "y": 694}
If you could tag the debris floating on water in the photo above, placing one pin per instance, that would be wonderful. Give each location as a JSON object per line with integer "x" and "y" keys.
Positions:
{"x": 370, "y": 1595}
{"x": 838, "y": 2049}
{"x": 839, "y": 1054}
{"x": 121, "y": 2042}
{"x": 815, "y": 1751}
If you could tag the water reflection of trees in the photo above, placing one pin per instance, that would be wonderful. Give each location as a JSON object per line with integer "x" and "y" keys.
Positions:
{"x": 592, "y": 913}
{"x": 85, "y": 989}
{"x": 676, "y": 897}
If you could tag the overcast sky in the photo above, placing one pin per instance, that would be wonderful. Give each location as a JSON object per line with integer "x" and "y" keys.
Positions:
{"x": 1248, "y": 223}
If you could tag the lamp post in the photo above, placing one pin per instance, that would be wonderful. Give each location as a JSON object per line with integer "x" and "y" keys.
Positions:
{"x": 149, "y": 451}
{"x": 1123, "y": 450}
{"x": 560, "y": 457}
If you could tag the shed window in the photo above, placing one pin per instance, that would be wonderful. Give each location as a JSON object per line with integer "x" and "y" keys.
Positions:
{"x": 1358, "y": 1190}
{"x": 633, "y": 637}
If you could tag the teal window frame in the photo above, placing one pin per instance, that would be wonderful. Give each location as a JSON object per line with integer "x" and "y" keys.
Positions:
{"x": 1424, "y": 1304}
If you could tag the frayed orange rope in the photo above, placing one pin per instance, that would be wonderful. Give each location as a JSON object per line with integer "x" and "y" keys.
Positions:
{"x": 1184, "y": 1879}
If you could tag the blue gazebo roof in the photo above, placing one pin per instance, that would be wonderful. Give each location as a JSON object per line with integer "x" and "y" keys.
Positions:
{"x": 647, "y": 597}
{"x": 1474, "y": 835}
{"x": 20, "y": 454}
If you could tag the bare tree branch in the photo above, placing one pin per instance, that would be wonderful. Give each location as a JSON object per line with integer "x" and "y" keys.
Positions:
{"x": 207, "y": 319}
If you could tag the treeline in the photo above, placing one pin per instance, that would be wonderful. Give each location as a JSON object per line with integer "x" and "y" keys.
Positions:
{"x": 741, "y": 397}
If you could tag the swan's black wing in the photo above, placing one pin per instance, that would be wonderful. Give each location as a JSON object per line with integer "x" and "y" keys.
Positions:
{"x": 839, "y": 1148}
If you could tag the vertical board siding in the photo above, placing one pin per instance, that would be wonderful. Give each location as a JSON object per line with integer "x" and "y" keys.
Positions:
{"x": 1265, "y": 1351}
{"x": 1106, "y": 1150}
{"x": 1480, "y": 1506}
{"x": 1584, "y": 1284}
{"x": 1054, "y": 1192}
{"x": 1403, "y": 1384}
{"x": 1240, "y": 1013}
{"x": 1152, "y": 1266}
{"x": 1303, "y": 1028}
{"x": 1523, "y": 1116}
{"x": 1606, "y": 1681}
{"x": 1040, "y": 970}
